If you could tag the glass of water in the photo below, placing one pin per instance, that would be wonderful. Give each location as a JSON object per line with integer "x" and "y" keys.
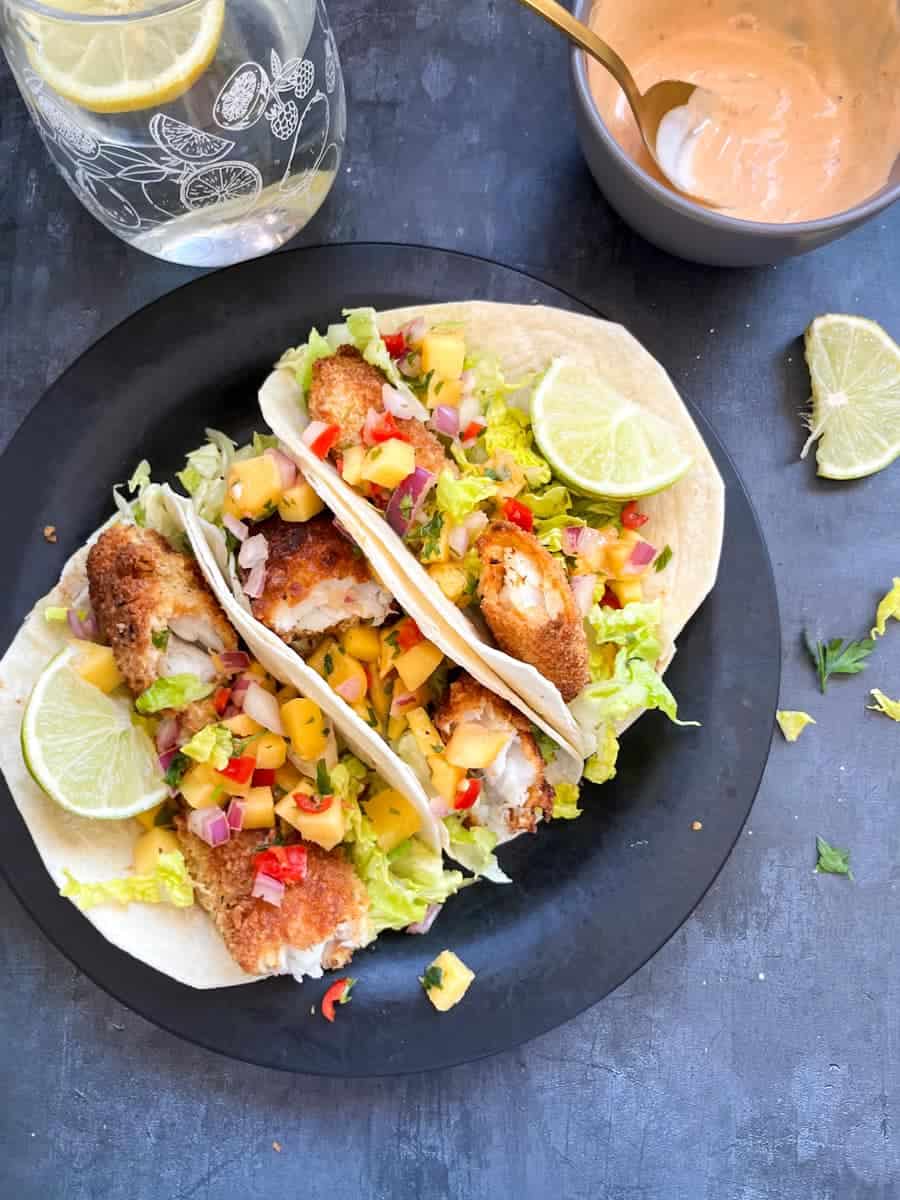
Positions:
{"x": 203, "y": 132}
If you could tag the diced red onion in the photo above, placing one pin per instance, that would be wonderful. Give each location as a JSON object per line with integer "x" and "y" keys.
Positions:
{"x": 286, "y": 466}
{"x": 254, "y": 551}
{"x": 410, "y": 365}
{"x": 445, "y": 419}
{"x": 235, "y": 814}
{"x": 313, "y": 431}
{"x": 239, "y": 690}
{"x": 583, "y": 591}
{"x": 165, "y": 760}
{"x": 263, "y": 707}
{"x": 255, "y": 583}
{"x": 234, "y": 661}
{"x": 83, "y": 627}
{"x": 167, "y": 735}
{"x": 210, "y": 825}
{"x": 401, "y": 702}
{"x": 439, "y": 807}
{"x": 458, "y": 541}
{"x": 427, "y": 921}
{"x": 416, "y": 486}
{"x": 268, "y": 889}
{"x": 414, "y": 331}
{"x": 642, "y": 555}
{"x": 402, "y": 405}
{"x": 238, "y": 528}
{"x": 351, "y": 689}
{"x": 580, "y": 539}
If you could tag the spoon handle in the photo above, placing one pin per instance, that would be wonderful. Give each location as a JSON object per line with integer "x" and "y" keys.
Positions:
{"x": 563, "y": 20}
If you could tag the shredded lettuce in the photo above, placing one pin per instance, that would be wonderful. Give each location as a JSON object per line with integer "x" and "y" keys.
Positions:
{"x": 348, "y": 779}
{"x": 635, "y": 626}
{"x": 509, "y": 431}
{"x": 407, "y": 748}
{"x": 634, "y": 684}
{"x": 888, "y": 606}
{"x": 792, "y": 722}
{"x": 172, "y": 691}
{"x": 214, "y": 744}
{"x": 203, "y": 478}
{"x": 140, "y": 477}
{"x": 168, "y": 884}
{"x": 422, "y": 868}
{"x": 362, "y": 326}
{"x": 301, "y": 359}
{"x": 601, "y": 766}
{"x": 565, "y": 802}
{"x": 473, "y": 849}
{"x": 457, "y": 498}
{"x": 56, "y": 612}
{"x": 883, "y": 704}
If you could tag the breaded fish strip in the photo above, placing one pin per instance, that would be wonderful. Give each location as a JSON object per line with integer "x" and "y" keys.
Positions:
{"x": 344, "y": 387}
{"x": 141, "y": 587}
{"x": 528, "y": 604}
{"x": 514, "y": 792}
{"x": 316, "y": 580}
{"x": 320, "y": 923}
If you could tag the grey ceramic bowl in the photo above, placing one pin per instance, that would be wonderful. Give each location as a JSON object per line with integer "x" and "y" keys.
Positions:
{"x": 681, "y": 227}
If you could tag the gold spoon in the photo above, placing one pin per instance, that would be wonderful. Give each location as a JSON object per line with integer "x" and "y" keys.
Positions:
{"x": 648, "y": 107}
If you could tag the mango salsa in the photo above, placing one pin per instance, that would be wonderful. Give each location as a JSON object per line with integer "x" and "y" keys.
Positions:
{"x": 443, "y": 353}
{"x": 150, "y": 846}
{"x": 252, "y": 487}
{"x": 97, "y": 665}
{"x": 362, "y": 642}
{"x": 445, "y": 777}
{"x": 418, "y": 664}
{"x": 325, "y": 828}
{"x": 351, "y": 467}
{"x": 393, "y": 818}
{"x": 201, "y": 786}
{"x": 427, "y": 737}
{"x": 389, "y": 463}
{"x": 473, "y": 748}
{"x": 305, "y": 726}
{"x": 299, "y": 503}
{"x": 269, "y": 750}
{"x": 452, "y": 581}
{"x": 148, "y": 818}
{"x": 242, "y": 726}
{"x": 443, "y": 391}
{"x": 259, "y": 808}
{"x": 446, "y": 980}
{"x": 627, "y": 591}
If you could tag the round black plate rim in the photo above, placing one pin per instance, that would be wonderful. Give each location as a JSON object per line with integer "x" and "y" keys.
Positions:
{"x": 507, "y": 1043}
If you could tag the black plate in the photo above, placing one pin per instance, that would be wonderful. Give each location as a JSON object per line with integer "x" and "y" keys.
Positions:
{"x": 593, "y": 899}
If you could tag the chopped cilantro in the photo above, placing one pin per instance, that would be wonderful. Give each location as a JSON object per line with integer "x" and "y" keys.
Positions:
{"x": 663, "y": 558}
{"x": 176, "y": 769}
{"x": 160, "y": 638}
{"x": 328, "y": 664}
{"x": 323, "y": 780}
{"x": 838, "y": 657}
{"x": 433, "y": 978}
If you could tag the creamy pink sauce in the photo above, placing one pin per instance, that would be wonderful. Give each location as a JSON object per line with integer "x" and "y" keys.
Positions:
{"x": 806, "y": 121}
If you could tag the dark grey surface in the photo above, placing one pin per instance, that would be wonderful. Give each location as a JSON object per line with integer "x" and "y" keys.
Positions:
{"x": 755, "y": 1056}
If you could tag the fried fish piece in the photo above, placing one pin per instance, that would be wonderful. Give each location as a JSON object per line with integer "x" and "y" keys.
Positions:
{"x": 316, "y": 580}
{"x": 528, "y": 604}
{"x": 514, "y": 792}
{"x": 430, "y": 454}
{"x": 320, "y": 923}
{"x": 142, "y": 589}
{"x": 344, "y": 387}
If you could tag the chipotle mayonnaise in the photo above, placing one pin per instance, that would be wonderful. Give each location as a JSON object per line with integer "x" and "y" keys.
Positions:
{"x": 800, "y": 117}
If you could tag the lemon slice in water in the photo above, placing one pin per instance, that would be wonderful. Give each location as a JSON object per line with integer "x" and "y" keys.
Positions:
{"x": 126, "y": 61}
{"x": 854, "y": 367}
{"x": 598, "y": 441}
{"x": 81, "y": 747}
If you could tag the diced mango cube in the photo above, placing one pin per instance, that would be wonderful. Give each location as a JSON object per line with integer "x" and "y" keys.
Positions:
{"x": 259, "y": 809}
{"x": 473, "y": 748}
{"x": 452, "y": 581}
{"x": 445, "y": 777}
{"x": 393, "y": 817}
{"x": 389, "y": 463}
{"x": 322, "y": 658}
{"x": 627, "y": 591}
{"x": 299, "y": 503}
{"x": 232, "y": 787}
{"x": 97, "y": 665}
{"x": 447, "y": 980}
{"x": 397, "y": 726}
{"x": 339, "y": 668}
{"x": 443, "y": 391}
{"x": 150, "y": 846}
{"x": 242, "y": 726}
{"x": 252, "y": 487}
{"x": 201, "y": 786}
{"x": 287, "y": 777}
{"x": 390, "y": 649}
{"x": 416, "y": 665}
{"x": 288, "y": 692}
{"x": 427, "y": 737}
{"x": 400, "y": 707}
{"x": 380, "y": 693}
{"x": 443, "y": 353}
{"x": 269, "y": 750}
{"x": 362, "y": 642}
{"x": 325, "y": 828}
{"x": 352, "y": 465}
{"x": 305, "y": 726}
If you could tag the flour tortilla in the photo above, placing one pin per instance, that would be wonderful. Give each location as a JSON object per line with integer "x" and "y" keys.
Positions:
{"x": 688, "y": 517}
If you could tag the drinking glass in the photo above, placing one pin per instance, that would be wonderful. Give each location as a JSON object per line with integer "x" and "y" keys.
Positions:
{"x": 203, "y": 132}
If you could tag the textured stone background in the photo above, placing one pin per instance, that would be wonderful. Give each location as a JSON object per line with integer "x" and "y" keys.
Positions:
{"x": 755, "y": 1057}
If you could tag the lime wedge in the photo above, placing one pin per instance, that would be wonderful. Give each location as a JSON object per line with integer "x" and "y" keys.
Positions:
{"x": 599, "y": 442}
{"x": 854, "y": 367}
{"x": 83, "y": 750}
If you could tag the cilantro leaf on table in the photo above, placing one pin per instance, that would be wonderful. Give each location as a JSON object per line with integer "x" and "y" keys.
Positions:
{"x": 838, "y": 656}
{"x": 832, "y": 860}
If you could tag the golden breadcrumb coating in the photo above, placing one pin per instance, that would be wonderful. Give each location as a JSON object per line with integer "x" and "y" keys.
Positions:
{"x": 528, "y": 604}
{"x": 344, "y": 387}
{"x": 256, "y": 932}
{"x": 140, "y": 586}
